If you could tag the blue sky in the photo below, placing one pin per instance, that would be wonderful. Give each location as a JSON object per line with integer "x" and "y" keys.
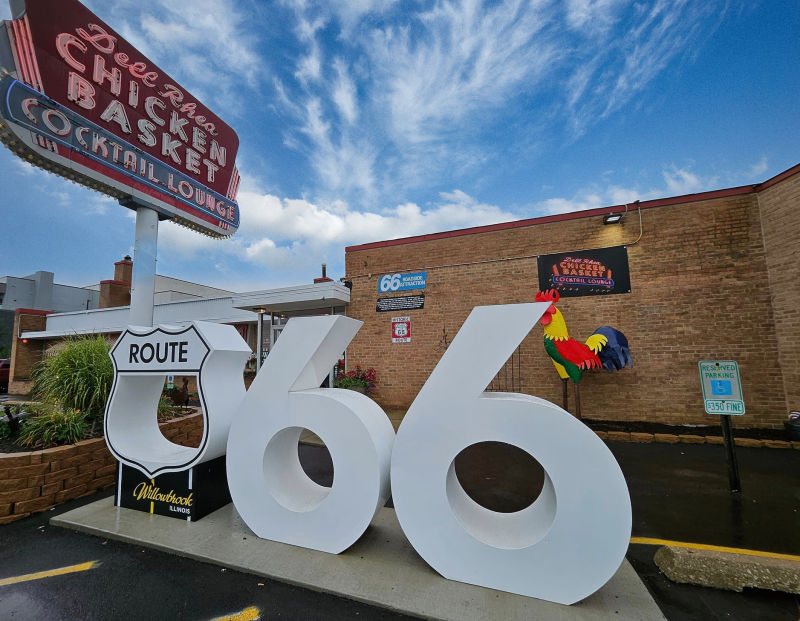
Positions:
{"x": 364, "y": 120}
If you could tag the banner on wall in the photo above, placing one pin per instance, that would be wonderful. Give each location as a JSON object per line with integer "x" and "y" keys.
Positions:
{"x": 601, "y": 271}
{"x": 402, "y": 303}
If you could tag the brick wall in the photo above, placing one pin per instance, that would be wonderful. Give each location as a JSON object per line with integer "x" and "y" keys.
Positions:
{"x": 38, "y": 480}
{"x": 25, "y": 356}
{"x": 699, "y": 291}
{"x": 780, "y": 217}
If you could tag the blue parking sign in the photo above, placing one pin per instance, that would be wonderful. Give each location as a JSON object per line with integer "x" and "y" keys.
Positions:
{"x": 721, "y": 388}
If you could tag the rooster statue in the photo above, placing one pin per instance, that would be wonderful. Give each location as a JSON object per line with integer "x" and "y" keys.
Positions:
{"x": 606, "y": 348}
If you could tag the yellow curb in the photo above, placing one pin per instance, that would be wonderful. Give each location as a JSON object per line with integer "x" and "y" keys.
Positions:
{"x": 703, "y": 546}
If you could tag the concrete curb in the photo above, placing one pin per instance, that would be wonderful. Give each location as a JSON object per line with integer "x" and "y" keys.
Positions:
{"x": 727, "y": 570}
{"x": 670, "y": 438}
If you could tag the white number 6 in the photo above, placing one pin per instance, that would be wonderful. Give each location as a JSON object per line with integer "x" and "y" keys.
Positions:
{"x": 565, "y": 545}
{"x": 270, "y": 490}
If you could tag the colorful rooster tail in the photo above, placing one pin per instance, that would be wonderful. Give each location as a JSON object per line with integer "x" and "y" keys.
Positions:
{"x": 616, "y": 354}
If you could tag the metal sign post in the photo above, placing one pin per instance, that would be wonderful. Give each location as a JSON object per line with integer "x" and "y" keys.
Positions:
{"x": 722, "y": 395}
{"x": 730, "y": 454}
{"x": 144, "y": 267}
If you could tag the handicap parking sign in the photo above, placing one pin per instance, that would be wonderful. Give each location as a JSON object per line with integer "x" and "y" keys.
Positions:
{"x": 721, "y": 388}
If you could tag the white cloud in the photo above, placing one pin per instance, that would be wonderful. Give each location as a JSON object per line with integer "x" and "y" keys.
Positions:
{"x": 677, "y": 182}
{"x": 592, "y": 16}
{"x": 469, "y": 58}
{"x": 683, "y": 181}
{"x": 292, "y": 237}
{"x": 758, "y": 169}
{"x": 344, "y": 92}
{"x": 209, "y": 46}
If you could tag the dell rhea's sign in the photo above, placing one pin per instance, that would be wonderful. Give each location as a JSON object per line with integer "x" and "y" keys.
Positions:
{"x": 83, "y": 102}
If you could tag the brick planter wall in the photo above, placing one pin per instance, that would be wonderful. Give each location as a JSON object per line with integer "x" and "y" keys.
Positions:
{"x": 38, "y": 480}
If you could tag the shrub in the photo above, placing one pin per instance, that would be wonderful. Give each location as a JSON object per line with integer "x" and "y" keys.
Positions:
{"x": 357, "y": 378}
{"x": 76, "y": 377}
{"x": 53, "y": 426}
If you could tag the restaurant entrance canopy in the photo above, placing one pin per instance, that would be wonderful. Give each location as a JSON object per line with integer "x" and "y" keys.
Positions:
{"x": 317, "y": 299}
{"x": 320, "y": 298}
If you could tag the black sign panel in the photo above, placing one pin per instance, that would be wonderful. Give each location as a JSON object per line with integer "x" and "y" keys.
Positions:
{"x": 586, "y": 272}
{"x": 187, "y": 495}
{"x": 404, "y": 303}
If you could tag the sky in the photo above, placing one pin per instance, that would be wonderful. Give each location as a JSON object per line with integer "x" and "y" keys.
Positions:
{"x": 366, "y": 120}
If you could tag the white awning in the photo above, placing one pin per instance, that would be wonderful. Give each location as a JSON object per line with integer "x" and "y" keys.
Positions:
{"x": 321, "y": 297}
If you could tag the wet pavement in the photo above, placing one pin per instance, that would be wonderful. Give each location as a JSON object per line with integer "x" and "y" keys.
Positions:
{"x": 678, "y": 492}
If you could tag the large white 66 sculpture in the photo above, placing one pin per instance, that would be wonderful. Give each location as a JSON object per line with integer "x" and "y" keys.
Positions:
{"x": 563, "y": 547}
{"x": 272, "y": 493}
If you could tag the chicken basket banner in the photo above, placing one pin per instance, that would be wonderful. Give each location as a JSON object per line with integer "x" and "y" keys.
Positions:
{"x": 601, "y": 271}
{"x": 563, "y": 547}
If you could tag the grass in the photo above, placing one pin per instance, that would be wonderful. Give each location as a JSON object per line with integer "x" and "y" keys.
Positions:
{"x": 76, "y": 377}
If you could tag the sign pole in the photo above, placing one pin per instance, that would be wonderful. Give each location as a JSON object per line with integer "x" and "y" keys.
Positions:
{"x": 722, "y": 395}
{"x": 730, "y": 454}
{"x": 144, "y": 267}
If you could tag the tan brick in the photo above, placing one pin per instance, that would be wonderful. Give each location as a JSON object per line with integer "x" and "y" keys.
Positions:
{"x": 69, "y": 494}
{"x": 642, "y": 437}
{"x": 52, "y": 488}
{"x": 37, "y": 504}
{"x": 9, "y": 485}
{"x": 103, "y": 482}
{"x": 80, "y": 479}
{"x": 91, "y": 466}
{"x": 602, "y": 435}
{"x": 619, "y": 436}
{"x": 748, "y": 442}
{"x": 27, "y": 471}
{"x": 691, "y": 439}
{"x": 778, "y": 444}
{"x": 60, "y": 475}
{"x": 102, "y": 453}
{"x": 13, "y": 518}
{"x": 13, "y": 460}
{"x": 715, "y": 440}
{"x": 69, "y": 462}
{"x": 5, "y": 508}
{"x": 666, "y": 438}
{"x": 20, "y": 494}
{"x": 88, "y": 446}
{"x": 106, "y": 470}
{"x": 58, "y": 453}
{"x": 37, "y": 480}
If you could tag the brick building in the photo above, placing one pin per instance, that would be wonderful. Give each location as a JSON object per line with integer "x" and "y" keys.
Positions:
{"x": 714, "y": 275}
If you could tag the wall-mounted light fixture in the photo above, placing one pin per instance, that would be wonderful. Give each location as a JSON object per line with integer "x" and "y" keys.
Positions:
{"x": 612, "y": 218}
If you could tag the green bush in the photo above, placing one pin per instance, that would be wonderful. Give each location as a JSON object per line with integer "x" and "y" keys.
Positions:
{"x": 76, "y": 377}
{"x": 53, "y": 426}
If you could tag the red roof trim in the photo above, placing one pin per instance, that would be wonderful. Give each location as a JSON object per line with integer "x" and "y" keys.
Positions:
{"x": 32, "y": 311}
{"x": 124, "y": 262}
{"x": 778, "y": 178}
{"x": 575, "y": 215}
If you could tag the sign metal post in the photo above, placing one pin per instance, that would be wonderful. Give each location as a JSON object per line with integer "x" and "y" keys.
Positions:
{"x": 722, "y": 395}
{"x": 145, "y": 250}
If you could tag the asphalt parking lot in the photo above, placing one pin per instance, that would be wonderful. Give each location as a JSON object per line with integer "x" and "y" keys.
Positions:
{"x": 678, "y": 492}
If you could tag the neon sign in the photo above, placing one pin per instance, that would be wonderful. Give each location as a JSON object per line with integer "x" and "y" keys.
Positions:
{"x": 90, "y": 107}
